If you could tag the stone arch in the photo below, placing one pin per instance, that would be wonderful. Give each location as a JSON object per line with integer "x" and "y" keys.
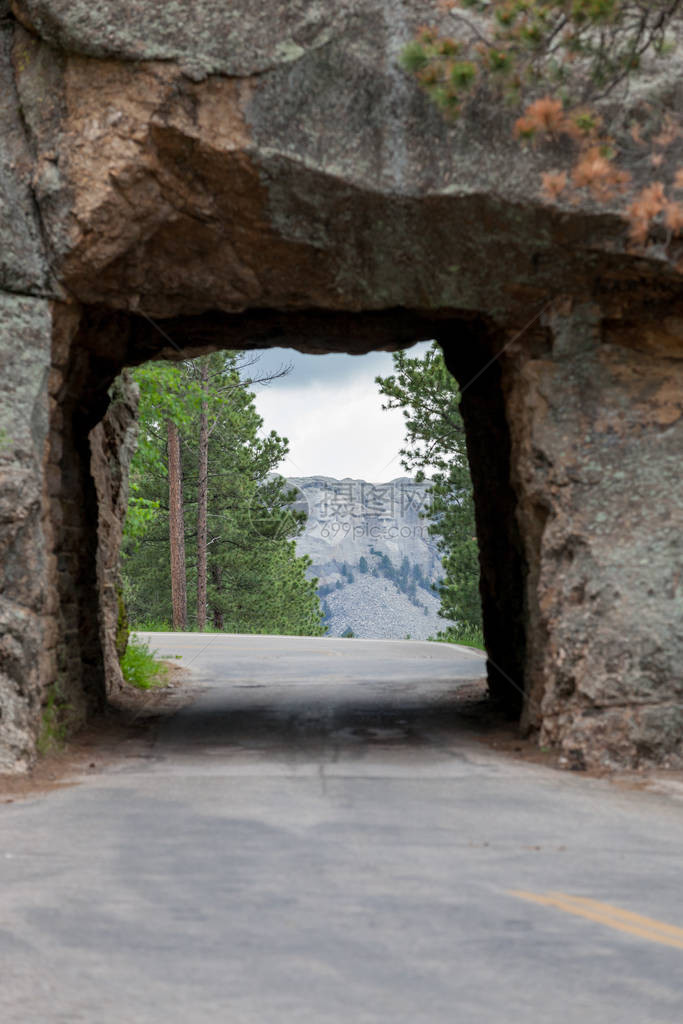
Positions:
{"x": 89, "y": 445}
{"x": 274, "y": 179}
{"x": 543, "y": 550}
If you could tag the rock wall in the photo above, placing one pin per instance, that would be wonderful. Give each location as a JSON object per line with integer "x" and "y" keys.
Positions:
{"x": 474, "y": 354}
{"x": 26, "y": 639}
{"x": 23, "y": 261}
{"x": 77, "y": 686}
{"x": 317, "y": 177}
{"x": 250, "y": 175}
{"x": 597, "y": 427}
{"x": 349, "y": 520}
{"x": 112, "y": 444}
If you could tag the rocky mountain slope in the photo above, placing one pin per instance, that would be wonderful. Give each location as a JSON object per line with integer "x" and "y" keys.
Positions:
{"x": 372, "y": 554}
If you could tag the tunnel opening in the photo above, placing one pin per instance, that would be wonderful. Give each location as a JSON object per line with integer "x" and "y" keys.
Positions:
{"x": 90, "y": 351}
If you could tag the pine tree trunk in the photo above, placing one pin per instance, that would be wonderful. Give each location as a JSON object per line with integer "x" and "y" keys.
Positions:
{"x": 176, "y": 529}
{"x": 217, "y": 579}
{"x": 202, "y": 497}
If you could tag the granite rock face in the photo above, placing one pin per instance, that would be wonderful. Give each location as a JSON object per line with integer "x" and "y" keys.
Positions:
{"x": 298, "y": 175}
{"x": 237, "y": 39}
{"x": 23, "y": 266}
{"x": 599, "y": 474}
{"x": 382, "y": 525}
{"x": 349, "y": 519}
{"x": 25, "y": 642}
{"x": 112, "y": 443}
{"x": 176, "y": 179}
{"x": 375, "y": 608}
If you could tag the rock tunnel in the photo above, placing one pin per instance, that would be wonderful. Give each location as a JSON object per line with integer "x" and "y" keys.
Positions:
{"x": 281, "y": 183}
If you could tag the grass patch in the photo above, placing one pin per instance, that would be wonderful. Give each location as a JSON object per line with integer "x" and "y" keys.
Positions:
{"x": 151, "y": 626}
{"x": 161, "y": 626}
{"x": 468, "y": 636}
{"x": 140, "y": 668}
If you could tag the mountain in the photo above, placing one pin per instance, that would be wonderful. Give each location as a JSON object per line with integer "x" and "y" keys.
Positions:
{"x": 372, "y": 554}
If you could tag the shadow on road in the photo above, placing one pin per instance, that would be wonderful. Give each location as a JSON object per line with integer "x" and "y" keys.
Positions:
{"x": 259, "y": 718}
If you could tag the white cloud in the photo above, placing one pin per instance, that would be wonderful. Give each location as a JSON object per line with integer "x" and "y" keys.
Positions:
{"x": 335, "y": 430}
{"x": 331, "y": 410}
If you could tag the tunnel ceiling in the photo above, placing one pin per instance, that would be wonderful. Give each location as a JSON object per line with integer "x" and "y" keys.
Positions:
{"x": 249, "y": 171}
{"x": 115, "y": 340}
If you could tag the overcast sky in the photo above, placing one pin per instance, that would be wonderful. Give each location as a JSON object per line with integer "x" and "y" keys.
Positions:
{"x": 331, "y": 410}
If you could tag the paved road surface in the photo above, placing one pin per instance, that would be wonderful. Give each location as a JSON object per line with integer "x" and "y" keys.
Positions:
{"x": 316, "y": 840}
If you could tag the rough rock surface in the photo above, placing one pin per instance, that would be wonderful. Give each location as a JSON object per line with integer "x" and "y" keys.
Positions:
{"x": 23, "y": 266}
{"x": 600, "y": 474}
{"x": 182, "y": 178}
{"x": 233, "y": 39}
{"x": 112, "y": 444}
{"x": 325, "y": 180}
{"x": 24, "y": 641}
{"x": 375, "y": 609}
{"x": 348, "y": 519}
{"x": 353, "y": 519}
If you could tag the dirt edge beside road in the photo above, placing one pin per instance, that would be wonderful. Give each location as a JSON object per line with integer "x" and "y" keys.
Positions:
{"x": 126, "y": 728}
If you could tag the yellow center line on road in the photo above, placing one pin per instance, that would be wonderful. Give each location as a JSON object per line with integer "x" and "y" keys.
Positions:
{"x": 613, "y": 917}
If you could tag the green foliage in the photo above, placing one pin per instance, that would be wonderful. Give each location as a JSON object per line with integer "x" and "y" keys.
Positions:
{"x": 462, "y": 74}
{"x": 414, "y": 57}
{"x": 140, "y": 513}
{"x": 347, "y": 573}
{"x": 520, "y": 48}
{"x": 140, "y": 668}
{"x": 348, "y": 633}
{"x": 435, "y": 440}
{"x": 463, "y": 633}
{"x": 151, "y": 625}
{"x": 256, "y": 582}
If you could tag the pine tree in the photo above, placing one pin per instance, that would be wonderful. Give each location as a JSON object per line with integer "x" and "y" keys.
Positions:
{"x": 239, "y": 523}
{"x": 176, "y": 528}
{"x": 435, "y": 440}
{"x": 202, "y": 495}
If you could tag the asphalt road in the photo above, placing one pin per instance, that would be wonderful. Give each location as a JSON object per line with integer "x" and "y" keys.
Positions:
{"x": 316, "y": 839}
